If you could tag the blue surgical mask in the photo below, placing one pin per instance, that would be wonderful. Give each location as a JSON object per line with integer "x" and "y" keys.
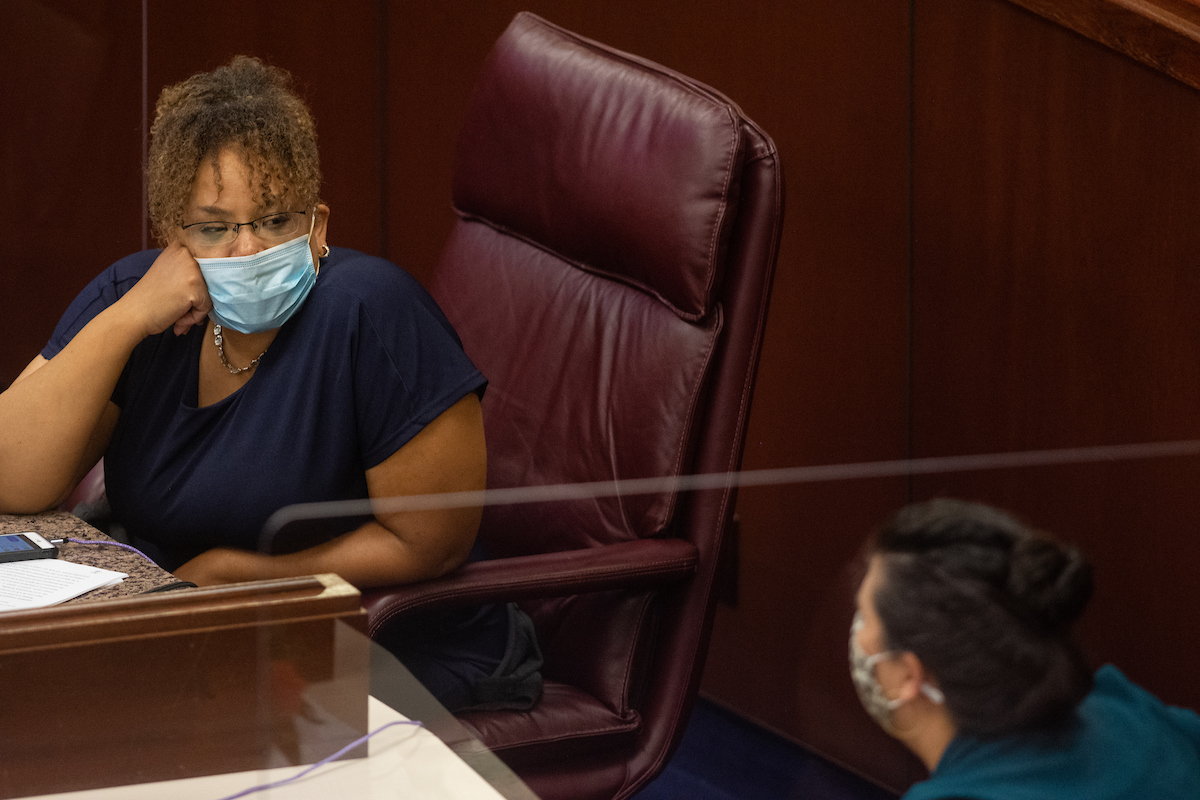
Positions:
{"x": 262, "y": 291}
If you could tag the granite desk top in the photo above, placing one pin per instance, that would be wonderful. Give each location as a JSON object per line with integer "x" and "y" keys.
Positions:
{"x": 144, "y": 574}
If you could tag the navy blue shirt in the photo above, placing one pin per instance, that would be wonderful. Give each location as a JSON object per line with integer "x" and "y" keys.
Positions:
{"x": 360, "y": 369}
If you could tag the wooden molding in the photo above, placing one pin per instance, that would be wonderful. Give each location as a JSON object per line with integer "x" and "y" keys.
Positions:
{"x": 1163, "y": 34}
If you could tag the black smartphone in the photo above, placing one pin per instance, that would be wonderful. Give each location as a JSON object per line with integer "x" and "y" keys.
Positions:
{"x": 24, "y": 546}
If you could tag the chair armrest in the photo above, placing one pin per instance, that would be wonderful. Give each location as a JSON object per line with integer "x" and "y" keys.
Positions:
{"x": 628, "y": 565}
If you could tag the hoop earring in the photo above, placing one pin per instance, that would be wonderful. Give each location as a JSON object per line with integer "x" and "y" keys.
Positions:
{"x": 324, "y": 251}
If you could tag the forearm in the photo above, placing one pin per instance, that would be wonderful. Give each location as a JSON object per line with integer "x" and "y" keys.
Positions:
{"x": 49, "y": 416}
{"x": 366, "y": 557}
{"x": 448, "y": 455}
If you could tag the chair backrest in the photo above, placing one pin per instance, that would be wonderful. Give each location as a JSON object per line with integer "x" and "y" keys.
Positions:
{"x": 610, "y": 274}
{"x": 598, "y": 195}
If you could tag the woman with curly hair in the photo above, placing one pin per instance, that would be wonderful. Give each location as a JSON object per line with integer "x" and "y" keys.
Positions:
{"x": 961, "y": 648}
{"x": 248, "y": 365}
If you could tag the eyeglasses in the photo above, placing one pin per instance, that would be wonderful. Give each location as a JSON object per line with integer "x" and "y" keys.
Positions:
{"x": 276, "y": 227}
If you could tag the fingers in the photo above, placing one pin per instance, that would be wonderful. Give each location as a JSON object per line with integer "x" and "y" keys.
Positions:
{"x": 201, "y": 305}
{"x": 172, "y": 293}
{"x": 193, "y": 317}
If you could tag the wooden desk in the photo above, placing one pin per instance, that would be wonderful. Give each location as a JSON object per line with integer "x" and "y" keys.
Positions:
{"x": 143, "y": 575}
{"x": 405, "y": 762}
{"x": 439, "y": 760}
{"x": 442, "y": 760}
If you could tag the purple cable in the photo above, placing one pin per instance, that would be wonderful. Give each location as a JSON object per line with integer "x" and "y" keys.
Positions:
{"x": 323, "y": 761}
{"x": 114, "y": 544}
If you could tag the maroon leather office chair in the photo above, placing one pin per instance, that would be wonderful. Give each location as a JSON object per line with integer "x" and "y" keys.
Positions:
{"x": 609, "y": 273}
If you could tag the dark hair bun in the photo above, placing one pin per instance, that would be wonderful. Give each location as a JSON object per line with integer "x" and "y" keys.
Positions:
{"x": 1051, "y": 580}
{"x": 986, "y": 603}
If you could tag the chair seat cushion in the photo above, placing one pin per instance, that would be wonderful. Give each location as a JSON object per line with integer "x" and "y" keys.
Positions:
{"x": 566, "y": 722}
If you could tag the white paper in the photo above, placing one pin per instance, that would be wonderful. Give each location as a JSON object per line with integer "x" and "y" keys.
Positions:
{"x": 49, "y": 581}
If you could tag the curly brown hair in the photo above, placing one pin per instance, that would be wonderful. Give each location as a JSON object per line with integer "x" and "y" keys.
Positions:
{"x": 247, "y": 105}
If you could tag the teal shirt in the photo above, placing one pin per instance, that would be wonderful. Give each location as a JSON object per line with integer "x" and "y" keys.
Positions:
{"x": 1124, "y": 744}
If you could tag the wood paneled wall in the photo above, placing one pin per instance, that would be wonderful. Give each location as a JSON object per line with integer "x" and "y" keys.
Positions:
{"x": 70, "y": 159}
{"x": 989, "y": 246}
{"x": 1055, "y": 304}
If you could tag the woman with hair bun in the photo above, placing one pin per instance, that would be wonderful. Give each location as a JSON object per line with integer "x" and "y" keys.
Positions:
{"x": 961, "y": 648}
